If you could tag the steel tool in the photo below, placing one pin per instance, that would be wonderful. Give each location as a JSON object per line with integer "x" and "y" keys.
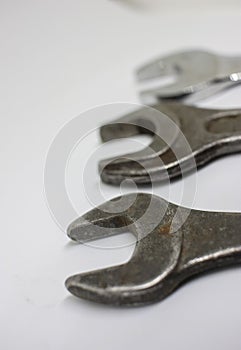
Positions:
{"x": 195, "y": 137}
{"x": 197, "y": 74}
{"x": 173, "y": 244}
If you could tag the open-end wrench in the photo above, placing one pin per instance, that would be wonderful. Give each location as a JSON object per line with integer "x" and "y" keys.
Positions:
{"x": 196, "y": 136}
{"x": 168, "y": 251}
{"x": 198, "y": 74}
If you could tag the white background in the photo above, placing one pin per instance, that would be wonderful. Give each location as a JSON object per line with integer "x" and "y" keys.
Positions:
{"x": 59, "y": 58}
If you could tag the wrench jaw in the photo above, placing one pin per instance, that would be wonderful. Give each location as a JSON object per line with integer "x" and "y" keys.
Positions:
{"x": 157, "y": 68}
{"x": 159, "y": 121}
{"x": 145, "y": 278}
{"x": 186, "y": 67}
{"x": 192, "y": 83}
{"x": 146, "y": 120}
{"x": 113, "y": 286}
{"x": 82, "y": 230}
{"x": 161, "y": 168}
{"x": 117, "y": 131}
{"x": 141, "y": 121}
{"x": 176, "y": 63}
{"x": 118, "y": 215}
{"x": 140, "y": 172}
{"x": 111, "y": 218}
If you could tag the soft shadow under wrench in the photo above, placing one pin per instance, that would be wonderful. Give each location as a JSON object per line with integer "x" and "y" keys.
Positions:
{"x": 210, "y": 133}
{"x": 198, "y": 74}
{"x": 168, "y": 251}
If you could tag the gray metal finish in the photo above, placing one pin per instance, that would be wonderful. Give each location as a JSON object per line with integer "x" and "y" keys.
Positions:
{"x": 163, "y": 257}
{"x": 198, "y": 74}
{"x": 208, "y": 133}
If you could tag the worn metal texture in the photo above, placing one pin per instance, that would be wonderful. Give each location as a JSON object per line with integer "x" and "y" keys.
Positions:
{"x": 195, "y": 136}
{"x": 170, "y": 248}
{"x": 197, "y": 74}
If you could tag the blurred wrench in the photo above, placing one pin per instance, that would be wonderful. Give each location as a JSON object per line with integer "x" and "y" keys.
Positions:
{"x": 198, "y": 74}
{"x": 196, "y": 136}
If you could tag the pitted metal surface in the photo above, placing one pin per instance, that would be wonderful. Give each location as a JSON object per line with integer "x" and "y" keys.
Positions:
{"x": 164, "y": 256}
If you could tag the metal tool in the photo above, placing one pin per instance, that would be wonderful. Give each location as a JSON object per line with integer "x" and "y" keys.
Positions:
{"x": 196, "y": 136}
{"x": 168, "y": 251}
{"x": 198, "y": 74}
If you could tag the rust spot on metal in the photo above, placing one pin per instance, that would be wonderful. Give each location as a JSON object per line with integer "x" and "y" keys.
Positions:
{"x": 164, "y": 229}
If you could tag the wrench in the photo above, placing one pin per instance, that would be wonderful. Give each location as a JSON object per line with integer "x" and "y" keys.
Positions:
{"x": 198, "y": 74}
{"x": 184, "y": 137}
{"x": 173, "y": 244}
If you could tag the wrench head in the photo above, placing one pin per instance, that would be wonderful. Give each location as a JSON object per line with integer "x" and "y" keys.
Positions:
{"x": 146, "y": 277}
{"x": 161, "y": 123}
{"x": 196, "y": 72}
{"x": 204, "y": 135}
